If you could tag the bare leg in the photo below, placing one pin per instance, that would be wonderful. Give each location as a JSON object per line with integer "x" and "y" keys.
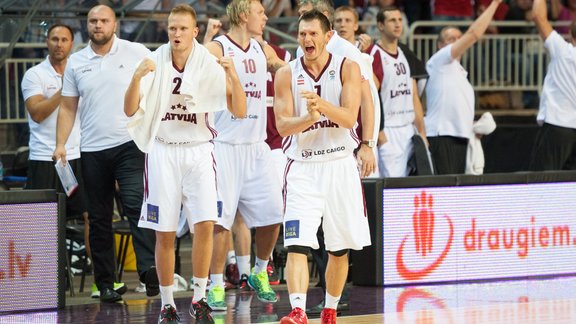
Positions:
{"x": 266, "y": 237}
{"x": 297, "y": 276}
{"x": 165, "y": 257}
{"x": 202, "y": 248}
{"x": 219, "y": 250}
{"x": 336, "y": 274}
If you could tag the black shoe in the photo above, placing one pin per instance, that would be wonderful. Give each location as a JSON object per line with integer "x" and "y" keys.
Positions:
{"x": 152, "y": 283}
{"x": 168, "y": 314}
{"x": 108, "y": 295}
{"x": 201, "y": 312}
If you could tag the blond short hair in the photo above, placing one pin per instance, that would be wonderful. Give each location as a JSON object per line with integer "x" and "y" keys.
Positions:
{"x": 236, "y": 8}
{"x": 184, "y": 8}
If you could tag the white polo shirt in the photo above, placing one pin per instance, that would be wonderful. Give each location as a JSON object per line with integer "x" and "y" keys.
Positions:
{"x": 43, "y": 80}
{"x": 449, "y": 97}
{"x": 558, "y": 100}
{"x": 101, "y": 82}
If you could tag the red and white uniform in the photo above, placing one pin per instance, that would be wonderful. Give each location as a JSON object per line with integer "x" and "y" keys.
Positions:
{"x": 396, "y": 93}
{"x": 180, "y": 169}
{"x": 322, "y": 183}
{"x": 247, "y": 179}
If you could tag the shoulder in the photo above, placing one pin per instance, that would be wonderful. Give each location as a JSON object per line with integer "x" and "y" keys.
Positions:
{"x": 215, "y": 48}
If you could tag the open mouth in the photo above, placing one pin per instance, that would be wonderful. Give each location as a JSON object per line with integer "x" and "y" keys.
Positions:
{"x": 309, "y": 49}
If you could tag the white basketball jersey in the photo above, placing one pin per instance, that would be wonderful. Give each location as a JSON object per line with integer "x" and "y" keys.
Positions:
{"x": 178, "y": 124}
{"x": 324, "y": 140}
{"x": 395, "y": 87}
{"x": 251, "y": 68}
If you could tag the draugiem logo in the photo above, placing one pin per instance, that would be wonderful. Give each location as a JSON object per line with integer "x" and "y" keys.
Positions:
{"x": 423, "y": 223}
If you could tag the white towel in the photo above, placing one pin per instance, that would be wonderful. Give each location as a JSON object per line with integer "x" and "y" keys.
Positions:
{"x": 203, "y": 85}
{"x": 475, "y": 154}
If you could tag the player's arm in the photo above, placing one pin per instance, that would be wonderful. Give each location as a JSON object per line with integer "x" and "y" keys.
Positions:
{"x": 366, "y": 154}
{"x": 64, "y": 124}
{"x": 132, "y": 95}
{"x": 286, "y": 123}
{"x": 235, "y": 95}
{"x": 475, "y": 31}
{"x": 212, "y": 28}
{"x": 40, "y": 107}
{"x": 540, "y": 19}
{"x": 418, "y": 112}
{"x": 272, "y": 59}
{"x": 346, "y": 115}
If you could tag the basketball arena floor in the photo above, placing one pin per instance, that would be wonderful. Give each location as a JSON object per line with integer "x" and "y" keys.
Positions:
{"x": 534, "y": 301}
{"x": 537, "y": 301}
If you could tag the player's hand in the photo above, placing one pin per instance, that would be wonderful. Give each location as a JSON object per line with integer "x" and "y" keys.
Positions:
{"x": 145, "y": 67}
{"x": 313, "y": 100}
{"x": 59, "y": 153}
{"x": 212, "y": 28}
{"x": 366, "y": 160}
{"x": 228, "y": 64}
{"x": 364, "y": 41}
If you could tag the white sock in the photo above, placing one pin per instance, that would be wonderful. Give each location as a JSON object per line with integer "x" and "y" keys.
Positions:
{"x": 199, "y": 288}
{"x": 298, "y": 300}
{"x": 331, "y": 301}
{"x": 231, "y": 257}
{"x": 260, "y": 265}
{"x": 217, "y": 280}
{"x": 243, "y": 264}
{"x": 167, "y": 296}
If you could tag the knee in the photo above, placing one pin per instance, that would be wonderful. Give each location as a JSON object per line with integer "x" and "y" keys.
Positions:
{"x": 299, "y": 249}
{"x": 338, "y": 253}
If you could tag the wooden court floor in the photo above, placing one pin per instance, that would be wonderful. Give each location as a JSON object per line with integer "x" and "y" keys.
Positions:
{"x": 536, "y": 301}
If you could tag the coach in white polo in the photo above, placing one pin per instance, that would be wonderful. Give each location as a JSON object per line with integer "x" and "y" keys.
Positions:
{"x": 555, "y": 145}
{"x": 41, "y": 87}
{"x": 450, "y": 97}
{"x": 95, "y": 81}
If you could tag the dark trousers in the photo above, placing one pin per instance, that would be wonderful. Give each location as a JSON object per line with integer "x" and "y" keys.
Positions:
{"x": 554, "y": 149}
{"x": 125, "y": 164}
{"x": 448, "y": 154}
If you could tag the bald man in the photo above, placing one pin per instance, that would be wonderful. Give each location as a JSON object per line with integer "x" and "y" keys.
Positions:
{"x": 99, "y": 75}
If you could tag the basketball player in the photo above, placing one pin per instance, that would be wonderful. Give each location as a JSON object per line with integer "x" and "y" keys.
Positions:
{"x": 369, "y": 115}
{"x": 316, "y": 105}
{"x": 180, "y": 163}
{"x": 401, "y": 104}
{"x": 246, "y": 174}
{"x": 346, "y": 24}
{"x": 555, "y": 145}
{"x": 450, "y": 97}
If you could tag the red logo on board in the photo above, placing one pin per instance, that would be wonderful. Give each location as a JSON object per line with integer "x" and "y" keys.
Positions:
{"x": 423, "y": 224}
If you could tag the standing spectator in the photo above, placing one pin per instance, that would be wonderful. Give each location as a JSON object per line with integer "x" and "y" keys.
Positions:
{"x": 95, "y": 81}
{"x": 555, "y": 144}
{"x": 563, "y": 11}
{"x": 450, "y": 97}
{"x": 41, "y": 87}
{"x": 247, "y": 179}
{"x": 401, "y": 104}
{"x": 182, "y": 137}
{"x": 316, "y": 105}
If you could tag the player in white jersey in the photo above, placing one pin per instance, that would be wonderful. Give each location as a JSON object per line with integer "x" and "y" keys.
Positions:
{"x": 95, "y": 81}
{"x": 369, "y": 116}
{"x": 246, "y": 171}
{"x": 180, "y": 166}
{"x": 450, "y": 97}
{"x": 317, "y": 98}
{"x": 401, "y": 104}
{"x": 41, "y": 88}
{"x": 555, "y": 144}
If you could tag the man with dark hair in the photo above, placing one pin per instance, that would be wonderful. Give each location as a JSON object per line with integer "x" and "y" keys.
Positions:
{"x": 555, "y": 144}
{"x": 317, "y": 98}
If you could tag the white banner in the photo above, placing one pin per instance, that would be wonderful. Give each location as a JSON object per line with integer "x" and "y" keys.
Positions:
{"x": 447, "y": 234}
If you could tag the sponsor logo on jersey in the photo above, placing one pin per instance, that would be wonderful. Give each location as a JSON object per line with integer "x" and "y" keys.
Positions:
{"x": 292, "y": 229}
{"x": 230, "y": 51}
{"x": 153, "y": 214}
{"x": 306, "y": 154}
{"x": 332, "y": 74}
